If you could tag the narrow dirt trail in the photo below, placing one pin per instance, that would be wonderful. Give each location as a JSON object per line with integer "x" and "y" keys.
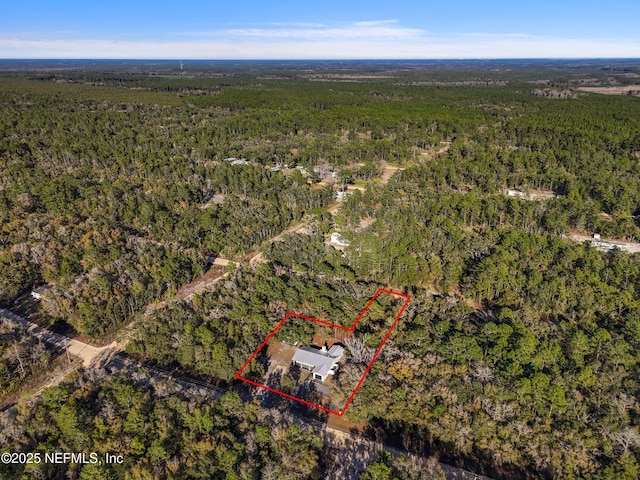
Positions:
{"x": 388, "y": 172}
{"x": 428, "y": 155}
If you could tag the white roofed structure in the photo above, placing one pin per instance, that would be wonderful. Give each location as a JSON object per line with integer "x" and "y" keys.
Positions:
{"x": 320, "y": 362}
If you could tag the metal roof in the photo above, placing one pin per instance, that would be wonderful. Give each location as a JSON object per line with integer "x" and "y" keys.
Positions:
{"x": 319, "y": 362}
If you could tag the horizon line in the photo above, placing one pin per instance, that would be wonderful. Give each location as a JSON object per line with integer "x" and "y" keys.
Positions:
{"x": 302, "y": 59}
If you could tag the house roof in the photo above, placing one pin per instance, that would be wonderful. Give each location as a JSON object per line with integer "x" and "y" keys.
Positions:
{"x": 41, "y": 289}
{"x": 336, "y": 351}
{"x": 337, "y": 239}
{"x": 319, "y": 360}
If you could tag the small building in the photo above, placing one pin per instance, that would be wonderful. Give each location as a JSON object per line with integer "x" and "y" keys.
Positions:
{"x": 337, "y": 239}
{"x": 236, "y": 161}
{"x": 603, "y": 245}
{"x": 532, "y": 195}
{"x": 341, "y": 195}
{"x": 39, "y": 291}
{"x": 516, "y": 193}
{"x": 303, "y": 170}
{"x": 320, "y": 362}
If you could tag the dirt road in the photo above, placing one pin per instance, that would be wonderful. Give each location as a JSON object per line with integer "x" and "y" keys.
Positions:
{"x": 631, "y": 247}
{"x": 429, "y": 154}
{"x": 388, "y": 172}
{"x": 88, "y": 353}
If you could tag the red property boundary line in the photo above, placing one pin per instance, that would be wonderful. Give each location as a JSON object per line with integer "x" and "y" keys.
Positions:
{"x": 348, "y": 329}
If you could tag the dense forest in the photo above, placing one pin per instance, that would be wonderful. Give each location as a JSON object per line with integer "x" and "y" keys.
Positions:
{"x": 518, "y": 354}
{"x": 23, "y": 357}
{"x": 161, "y": 432}
{"x": 161, "y": 436}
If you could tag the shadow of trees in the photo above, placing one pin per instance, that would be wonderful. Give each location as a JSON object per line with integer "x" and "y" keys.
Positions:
{"x": 417, "y": 439}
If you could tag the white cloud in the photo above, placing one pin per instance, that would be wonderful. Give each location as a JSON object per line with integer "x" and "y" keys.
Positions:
{"x": 375, "y": 23}
{"x": 367, "y": 40}
{"x": 375, "y": 30}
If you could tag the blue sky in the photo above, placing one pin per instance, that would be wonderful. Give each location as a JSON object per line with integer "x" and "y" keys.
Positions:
{"x": 312, "y": 29}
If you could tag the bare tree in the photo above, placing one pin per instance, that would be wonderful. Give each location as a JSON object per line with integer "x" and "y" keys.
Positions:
{"x": 37, "y": 355}
{"x": 271, "y": 471}
{"x": 16, "y": 355}
{"x": 482, "y": 373}
{"x": 358, "y": 349}
{"x": 628, "y": 438}
{"x": 624, "y": 402}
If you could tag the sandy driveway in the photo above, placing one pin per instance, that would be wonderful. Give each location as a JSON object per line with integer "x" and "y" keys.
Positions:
{"x": 88, "y": 353}
{"x": 631, "y": 247}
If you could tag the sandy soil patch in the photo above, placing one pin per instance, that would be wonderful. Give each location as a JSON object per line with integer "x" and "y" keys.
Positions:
{"x": 388, "y": 172}
{"x": 618, "y": 90}
{"x": 217, "y": 199}
{"x": 280, "y": 353}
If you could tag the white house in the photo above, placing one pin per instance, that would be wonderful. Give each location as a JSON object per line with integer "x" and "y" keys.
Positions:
{"x": 236, "y": 161}
{"x": 320, "y": 362}
{"x": 337, "y": 239}
{"x": 516, "y": 193}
